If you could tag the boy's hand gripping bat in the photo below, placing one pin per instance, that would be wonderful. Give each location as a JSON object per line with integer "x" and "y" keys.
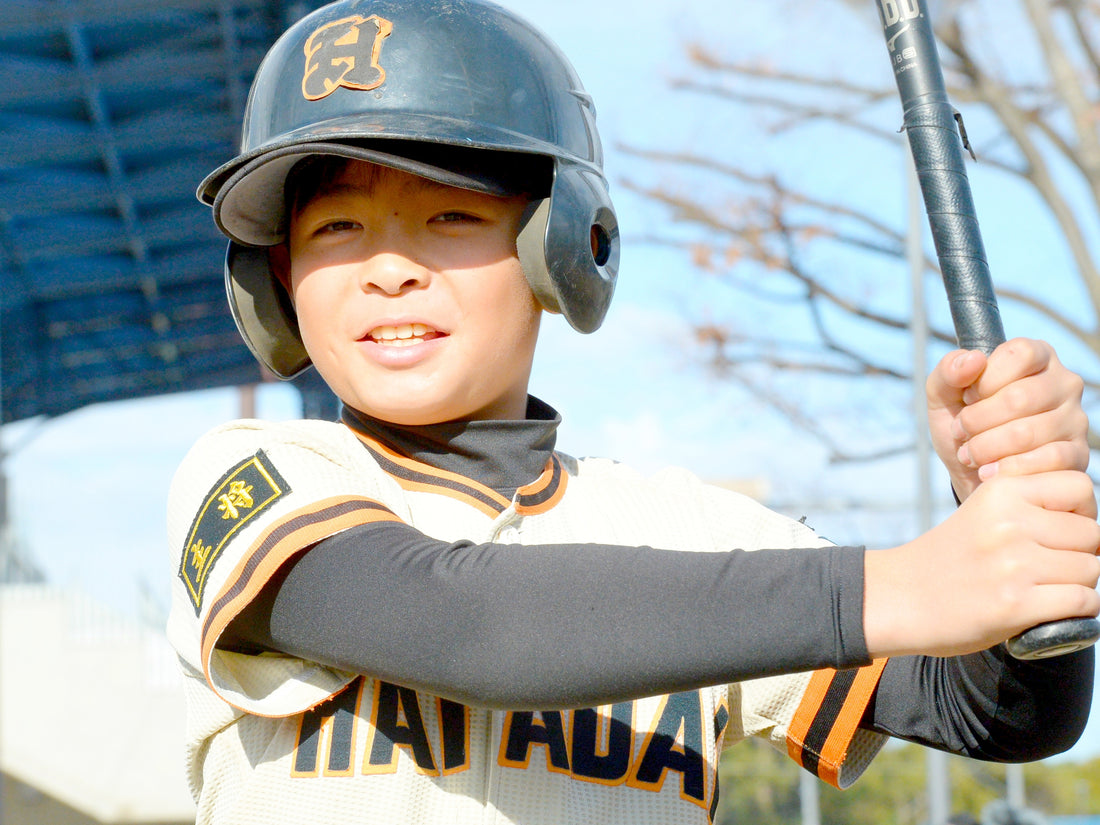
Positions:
{"x": 934, "y": 129}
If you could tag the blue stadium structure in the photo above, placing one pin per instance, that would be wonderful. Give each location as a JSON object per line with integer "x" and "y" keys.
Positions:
{"x": 111, "y": 112}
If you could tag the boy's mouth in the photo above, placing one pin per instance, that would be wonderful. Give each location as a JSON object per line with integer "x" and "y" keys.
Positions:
{"x": 402, "y": 335}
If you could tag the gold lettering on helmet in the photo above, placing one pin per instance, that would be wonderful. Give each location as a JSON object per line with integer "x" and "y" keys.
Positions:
{"x": 345, "y": 53}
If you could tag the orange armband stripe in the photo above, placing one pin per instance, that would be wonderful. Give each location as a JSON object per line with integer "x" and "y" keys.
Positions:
{"x": 828, "y": 717}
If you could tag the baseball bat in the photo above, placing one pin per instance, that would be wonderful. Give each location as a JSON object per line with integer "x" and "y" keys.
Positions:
{"x": 936, "y": 139}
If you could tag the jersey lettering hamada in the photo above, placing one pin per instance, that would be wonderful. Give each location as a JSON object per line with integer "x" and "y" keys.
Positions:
{"x": 275, "y": 739}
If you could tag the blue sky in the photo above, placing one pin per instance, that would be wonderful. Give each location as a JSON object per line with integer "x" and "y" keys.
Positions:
{"x": 88, "y": 490}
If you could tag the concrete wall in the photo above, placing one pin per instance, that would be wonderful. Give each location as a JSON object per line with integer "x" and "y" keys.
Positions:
{"x": 91, "y": 712}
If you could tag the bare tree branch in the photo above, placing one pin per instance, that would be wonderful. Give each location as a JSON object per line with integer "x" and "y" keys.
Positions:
{"x": 799, "y": 113}
{"x": 1085, "y": 114}
{"x": 771, "y": 182}
{"x": 706, "y": 59}
{"x": 807, "y": 424}
{"x": 1078, "y": 13}
{"x": 1015, "y": 123}
{"x": 1090, "y": 338}
{"x": 688, "y": 209}
{"x": 764, "y": 226}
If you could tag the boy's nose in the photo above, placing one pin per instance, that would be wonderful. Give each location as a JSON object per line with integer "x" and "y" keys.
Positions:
{"x": 392, "y": 273}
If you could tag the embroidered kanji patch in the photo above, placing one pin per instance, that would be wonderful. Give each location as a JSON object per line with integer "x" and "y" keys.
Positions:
{"x": 239, "y": 496}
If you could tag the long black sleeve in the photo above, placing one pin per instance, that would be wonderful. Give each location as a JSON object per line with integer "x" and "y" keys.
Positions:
{"x": 556, "y": 626}
{"x": 986, "y": 705}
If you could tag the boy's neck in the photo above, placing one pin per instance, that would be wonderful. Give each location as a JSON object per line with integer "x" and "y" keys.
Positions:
{"x": 502, "y": 455}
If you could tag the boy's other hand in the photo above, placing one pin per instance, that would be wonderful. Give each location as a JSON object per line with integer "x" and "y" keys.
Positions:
{"x": 1016, "y": 412}
{"x": 1021, "y": 550}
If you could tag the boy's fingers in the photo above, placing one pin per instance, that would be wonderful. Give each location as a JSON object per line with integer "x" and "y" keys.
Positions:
{"x": 1056, "y": 455}
{"x": 1066, "y": 491}
{"x": 1027, "y": 396}
{"x": 1012, "y": 361}
{"x": 956, "y": 371}
{"x": 1070, "y": 531}
{"x": 1054, "y": 602}
{"x": 1031, "y": 434}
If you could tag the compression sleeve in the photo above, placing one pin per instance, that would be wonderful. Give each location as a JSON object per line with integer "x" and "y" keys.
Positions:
{"x": 556, "y": 626}
{"x": 986, "y": 705}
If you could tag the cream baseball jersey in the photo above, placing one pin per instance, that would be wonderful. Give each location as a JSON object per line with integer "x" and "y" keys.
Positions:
{"x": 277, "y": 739}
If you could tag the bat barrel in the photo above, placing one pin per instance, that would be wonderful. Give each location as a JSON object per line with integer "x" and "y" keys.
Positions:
{"x": 931, "y": 127}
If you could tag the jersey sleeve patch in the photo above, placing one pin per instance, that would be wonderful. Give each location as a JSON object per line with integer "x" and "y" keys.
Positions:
{"x": 239, "y": 496}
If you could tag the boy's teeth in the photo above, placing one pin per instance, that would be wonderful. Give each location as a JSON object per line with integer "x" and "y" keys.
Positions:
{"x": 402, "y": 332}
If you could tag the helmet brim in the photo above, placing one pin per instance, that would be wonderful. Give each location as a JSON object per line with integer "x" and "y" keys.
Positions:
{"x": 250, "y": 203}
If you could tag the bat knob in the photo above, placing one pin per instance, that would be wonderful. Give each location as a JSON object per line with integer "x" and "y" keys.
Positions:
{"x": 1054, "y": 639}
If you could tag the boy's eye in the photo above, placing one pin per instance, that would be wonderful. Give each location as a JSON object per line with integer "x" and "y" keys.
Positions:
{"x": 337, "y": 226}
{"x": 455, "y": 217}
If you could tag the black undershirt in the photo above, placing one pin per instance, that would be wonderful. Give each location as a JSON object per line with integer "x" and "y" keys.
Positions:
{"x": 517, "y": 627}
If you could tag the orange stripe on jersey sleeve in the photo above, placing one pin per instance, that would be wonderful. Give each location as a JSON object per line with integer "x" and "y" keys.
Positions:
{"x": 274, "y": 547}
{"x": 828, "y": 717}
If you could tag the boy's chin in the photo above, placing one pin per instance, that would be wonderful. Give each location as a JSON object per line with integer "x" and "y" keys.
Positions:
{"x": 427, "y": 415}
{"x": 405, "y": 415}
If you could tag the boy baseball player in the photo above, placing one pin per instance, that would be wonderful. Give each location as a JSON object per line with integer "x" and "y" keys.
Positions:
{"x": 426, "y": 613}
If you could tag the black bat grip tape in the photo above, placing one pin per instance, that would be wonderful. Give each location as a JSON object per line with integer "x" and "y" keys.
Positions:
{"x": 933, "y": 138}
{"x": 932, "y": 129}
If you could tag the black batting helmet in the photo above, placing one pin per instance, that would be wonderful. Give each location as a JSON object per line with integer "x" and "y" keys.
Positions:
{"x": 428, "y": 87}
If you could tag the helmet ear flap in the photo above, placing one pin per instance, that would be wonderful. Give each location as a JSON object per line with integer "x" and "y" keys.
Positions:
{"x": 531, "y": 251}
{"x": 568, "y": 247}
{"x": 263, "y": 311}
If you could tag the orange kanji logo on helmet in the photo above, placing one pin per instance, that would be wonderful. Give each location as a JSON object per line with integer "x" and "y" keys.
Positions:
{"x": 345, "y": 53}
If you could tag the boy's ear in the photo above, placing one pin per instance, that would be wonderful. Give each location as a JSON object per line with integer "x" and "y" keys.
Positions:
{"x": 278, "y": 258}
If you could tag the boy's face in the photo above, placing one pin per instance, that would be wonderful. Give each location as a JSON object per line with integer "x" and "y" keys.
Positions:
{"x": 410, "y": 298}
